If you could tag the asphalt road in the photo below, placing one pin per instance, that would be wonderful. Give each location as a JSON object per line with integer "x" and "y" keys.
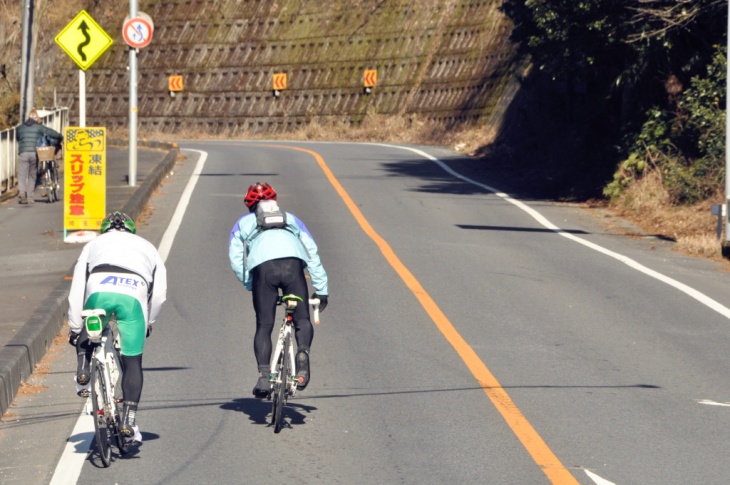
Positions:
{"x": 468, "y": 339}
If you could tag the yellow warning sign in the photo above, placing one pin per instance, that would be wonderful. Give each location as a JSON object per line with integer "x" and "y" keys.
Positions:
{"x": 83, "y": 40}
{"x": 84, "y": 194}
{"x": 279, "y": 81}
{"x": 370, "y": 78}
{"x": 175, "y": 83}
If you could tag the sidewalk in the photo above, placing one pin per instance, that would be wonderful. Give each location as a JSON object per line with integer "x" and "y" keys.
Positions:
{"x": 36, "y": 265}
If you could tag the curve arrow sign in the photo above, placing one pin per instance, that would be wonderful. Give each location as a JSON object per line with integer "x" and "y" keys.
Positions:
{"x": 370, "y": 78}
{"x": 279, "y": 81}
{"x": 83, "y": 40}
{"x": 175, "y": 83}
{"x": 87, "y": 40}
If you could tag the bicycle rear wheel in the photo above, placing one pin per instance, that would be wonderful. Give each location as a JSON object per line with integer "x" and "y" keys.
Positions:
{"x": 282, "y": 383}
{"x": 100, "y": 409}
{"x": 117, "y": 407}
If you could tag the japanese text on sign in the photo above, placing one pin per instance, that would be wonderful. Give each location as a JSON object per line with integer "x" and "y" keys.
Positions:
{"x": 85, "y": 178}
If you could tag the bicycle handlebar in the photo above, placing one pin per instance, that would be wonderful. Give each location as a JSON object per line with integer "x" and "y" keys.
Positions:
{"x": 312, "y": 301}
{"x": 315, "y": 306}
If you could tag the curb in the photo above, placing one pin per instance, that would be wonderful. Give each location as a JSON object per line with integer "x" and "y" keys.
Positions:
{"x": 20, "y": 355}
{"x": 9, "y": 194}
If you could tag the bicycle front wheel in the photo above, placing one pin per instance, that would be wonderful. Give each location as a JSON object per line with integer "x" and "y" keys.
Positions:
{"x": 53, "y": 180}
{"x": 46, "y": 183}
{"x": 282, "y": 380}
{"x": 100, "y": 408}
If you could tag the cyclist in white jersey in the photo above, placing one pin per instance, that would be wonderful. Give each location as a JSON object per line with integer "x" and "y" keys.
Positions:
{"x": 124, "y": 274}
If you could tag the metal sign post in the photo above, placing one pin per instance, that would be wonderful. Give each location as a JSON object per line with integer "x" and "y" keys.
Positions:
{"x": 132, "y": 177}
{"x": 137, "y": 33}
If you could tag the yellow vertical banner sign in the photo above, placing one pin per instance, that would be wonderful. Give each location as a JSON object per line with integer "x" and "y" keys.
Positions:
{"x": 84, "y": 195}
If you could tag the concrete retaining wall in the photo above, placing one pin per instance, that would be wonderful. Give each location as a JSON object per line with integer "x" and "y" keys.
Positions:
{"x": 450, "y": 61}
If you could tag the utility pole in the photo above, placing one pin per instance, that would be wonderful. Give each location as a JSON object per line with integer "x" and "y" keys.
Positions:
{"x": 726, "y": 243}
{"x": 26, "y": 60}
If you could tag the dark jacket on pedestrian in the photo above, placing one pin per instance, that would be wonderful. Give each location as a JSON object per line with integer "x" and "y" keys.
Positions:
{"x": 30, "y": 132}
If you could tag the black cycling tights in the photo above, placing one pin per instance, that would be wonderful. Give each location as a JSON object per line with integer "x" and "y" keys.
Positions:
{"x": 132, "y": 379}
{"x": 268, "y": 277}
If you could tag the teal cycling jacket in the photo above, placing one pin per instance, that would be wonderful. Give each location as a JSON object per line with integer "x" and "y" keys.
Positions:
{"x": 249, "y": 246}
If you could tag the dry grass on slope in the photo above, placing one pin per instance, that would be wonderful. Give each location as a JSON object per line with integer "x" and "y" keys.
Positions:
{"x": 374, "y": 128}
{"x": 694, "y": 228}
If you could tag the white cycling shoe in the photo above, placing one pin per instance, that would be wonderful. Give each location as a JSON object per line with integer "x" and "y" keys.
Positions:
{"x": 82, "y": 391}
{"x": 137, "y": 437}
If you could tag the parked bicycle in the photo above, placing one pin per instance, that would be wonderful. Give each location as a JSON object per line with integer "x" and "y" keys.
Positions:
{"x": 106, "y": 384}
{"x": 283, "y": 376}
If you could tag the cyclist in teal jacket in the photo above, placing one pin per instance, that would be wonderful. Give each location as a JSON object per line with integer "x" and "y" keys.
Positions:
{"x": 269, "y": 260}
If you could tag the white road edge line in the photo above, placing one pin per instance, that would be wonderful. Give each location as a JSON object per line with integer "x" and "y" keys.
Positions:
{"x": 177, "y": 217}
{"x": 713, "y": 403}
{"x": 597, "y": 479}
{"x": 700, "y": 297}
{"x": 78, "y": 444}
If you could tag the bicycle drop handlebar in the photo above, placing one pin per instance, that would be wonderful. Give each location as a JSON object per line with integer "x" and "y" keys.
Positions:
{"x": 312, "y": 301}
{"x": 315, "y": 306}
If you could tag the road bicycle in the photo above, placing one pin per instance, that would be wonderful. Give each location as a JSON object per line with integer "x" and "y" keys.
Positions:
{"x": 48, "y": 172}
{"x": 106, "y": 384}
{"x": 283, "y": 372}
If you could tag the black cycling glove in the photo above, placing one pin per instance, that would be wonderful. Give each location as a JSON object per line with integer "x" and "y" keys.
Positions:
{"x": 322, "y": 301}
{"x": 73, "y": 337}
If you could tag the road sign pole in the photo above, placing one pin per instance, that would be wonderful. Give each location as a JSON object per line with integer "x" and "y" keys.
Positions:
{"x": 82, "y": 98}
{"x": 132, "y": 104}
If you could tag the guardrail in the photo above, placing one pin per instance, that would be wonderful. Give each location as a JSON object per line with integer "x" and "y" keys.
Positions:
{"x": 56, "y": 118}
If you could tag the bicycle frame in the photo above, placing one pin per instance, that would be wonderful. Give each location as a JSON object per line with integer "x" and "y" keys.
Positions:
{"x": 105, "y": 360}
{"x": 283, "y": 369}
{"x": 104, "y": 356}
{"x": 284, "y": 332}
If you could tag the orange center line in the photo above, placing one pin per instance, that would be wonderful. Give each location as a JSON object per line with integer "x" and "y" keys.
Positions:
{"x": 521, "y": 427}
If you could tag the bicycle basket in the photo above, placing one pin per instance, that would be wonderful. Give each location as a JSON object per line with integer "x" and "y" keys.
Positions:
{"x": 46, "y": 154}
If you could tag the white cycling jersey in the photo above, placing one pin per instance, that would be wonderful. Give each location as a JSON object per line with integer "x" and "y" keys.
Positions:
{"x": 124, "y": 250}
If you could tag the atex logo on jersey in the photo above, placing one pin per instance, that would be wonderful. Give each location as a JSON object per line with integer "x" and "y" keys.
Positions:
{"x": 122, "y": 281}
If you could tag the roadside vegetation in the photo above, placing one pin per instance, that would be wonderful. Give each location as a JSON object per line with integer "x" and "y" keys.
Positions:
{"x": 641, "y": 86}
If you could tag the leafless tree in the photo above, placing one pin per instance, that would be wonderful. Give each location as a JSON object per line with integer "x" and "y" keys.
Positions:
{"x": 656, "y": 18}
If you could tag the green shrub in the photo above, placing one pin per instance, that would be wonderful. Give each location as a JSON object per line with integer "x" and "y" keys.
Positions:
{"x": 687, "y": 144}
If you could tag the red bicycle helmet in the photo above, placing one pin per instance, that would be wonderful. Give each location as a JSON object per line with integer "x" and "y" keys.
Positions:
{"x": 259, "y": 192}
